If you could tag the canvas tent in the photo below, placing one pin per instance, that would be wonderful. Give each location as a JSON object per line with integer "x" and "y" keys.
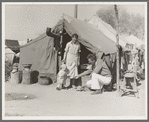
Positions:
{"x": 105, "y": 29}
{"x": 41, "y": 52}
{"x": 13, "y": 45}
{"x": 133, "y": 40}
{"x": 9, "y": 55}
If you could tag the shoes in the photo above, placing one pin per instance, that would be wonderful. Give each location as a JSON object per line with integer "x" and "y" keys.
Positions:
{"x": 82, "y": 89}
{"x": 57, "y": 88}
{"x": 60, "y": 87}
{"x": 69, "y": 87}
{"x": 99, "y": 91}
{"x": 63, "y": 87}
{"x": 74, "y": 87}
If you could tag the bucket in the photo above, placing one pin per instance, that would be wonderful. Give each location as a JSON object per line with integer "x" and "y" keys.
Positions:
{"x": 26, "y": 79}
{"x": 15, "y": 78}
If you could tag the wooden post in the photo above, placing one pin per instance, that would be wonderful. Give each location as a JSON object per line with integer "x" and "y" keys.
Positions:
{"x": 60, "y": 56}
{"x": 76, "y": 11}
{"x": 117, "y": 38}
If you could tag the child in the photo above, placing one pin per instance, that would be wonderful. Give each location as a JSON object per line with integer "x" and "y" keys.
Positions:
{"x": 62, "y": 76}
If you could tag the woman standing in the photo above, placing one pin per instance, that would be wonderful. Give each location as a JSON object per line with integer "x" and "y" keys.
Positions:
{"x": 72, "y": 59}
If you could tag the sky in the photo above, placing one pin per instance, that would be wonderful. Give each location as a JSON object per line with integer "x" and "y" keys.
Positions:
{"x": 22, "y": 21}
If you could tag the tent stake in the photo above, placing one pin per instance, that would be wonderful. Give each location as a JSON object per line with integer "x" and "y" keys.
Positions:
{"x": 117, "y": 38}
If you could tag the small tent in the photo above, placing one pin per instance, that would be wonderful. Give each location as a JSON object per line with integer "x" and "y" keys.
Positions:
{"x": 13, "y": 45}
{"x": 42, "y": 54}
{"x": 105, "y": 29}
{"x": 133, "y": 40}
{"x": 9, "y": 55}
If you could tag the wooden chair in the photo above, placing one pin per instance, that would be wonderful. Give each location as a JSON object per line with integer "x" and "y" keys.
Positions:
{"x": 132, "y": 83}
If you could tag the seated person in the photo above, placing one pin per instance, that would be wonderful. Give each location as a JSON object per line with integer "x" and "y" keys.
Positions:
{"x": 100, "y": 74}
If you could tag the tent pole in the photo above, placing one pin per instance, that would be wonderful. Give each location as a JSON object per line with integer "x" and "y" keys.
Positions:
{"x": 59, "y": 57}
{"x": 117, "y": 38}
{"x": 56, "y": 64}
{"x": 75, "y": 11}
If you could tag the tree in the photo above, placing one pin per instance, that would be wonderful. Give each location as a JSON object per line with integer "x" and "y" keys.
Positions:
{"x": 129, "y": 24}
{"x": 107, "y": 15}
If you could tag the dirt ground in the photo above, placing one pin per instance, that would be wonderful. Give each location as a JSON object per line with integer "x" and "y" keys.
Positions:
{"x": 47, "y": 101}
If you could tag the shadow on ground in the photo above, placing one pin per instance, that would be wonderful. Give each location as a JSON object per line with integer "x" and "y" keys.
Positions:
{"x": 18, "y": 96}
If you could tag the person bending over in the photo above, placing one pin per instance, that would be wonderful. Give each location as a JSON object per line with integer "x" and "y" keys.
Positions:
{"x": 100, "y": 74}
